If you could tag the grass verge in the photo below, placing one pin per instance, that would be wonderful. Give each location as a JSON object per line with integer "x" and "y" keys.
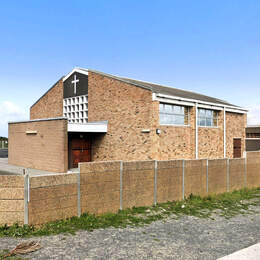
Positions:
{"x": 226, "y": 205}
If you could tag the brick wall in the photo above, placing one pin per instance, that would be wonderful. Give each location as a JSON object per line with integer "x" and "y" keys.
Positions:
{"x": 176, "y": 142}
{"x": 50, "y": 105}
{"x": 45, "y": 150}
{"x": 128, "y": 110}
{"x": 11, "y": 199}
{"x": 211, "y": 139}
{"x": 236, "y": 128}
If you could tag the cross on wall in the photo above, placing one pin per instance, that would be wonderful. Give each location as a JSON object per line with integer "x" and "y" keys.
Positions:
{"x": 74, "y": 82}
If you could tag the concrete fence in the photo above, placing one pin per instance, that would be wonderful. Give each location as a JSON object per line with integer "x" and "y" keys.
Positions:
{"x": 102, "y": 187}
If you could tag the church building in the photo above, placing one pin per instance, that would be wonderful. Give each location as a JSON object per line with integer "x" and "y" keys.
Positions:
{"x": 89, "y": 115}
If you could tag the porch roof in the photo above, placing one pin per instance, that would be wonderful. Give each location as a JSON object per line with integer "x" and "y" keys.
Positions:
{"x": 91, "y": 127}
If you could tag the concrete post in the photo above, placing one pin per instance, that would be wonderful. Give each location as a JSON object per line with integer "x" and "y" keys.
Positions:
{"x": 245, "y": 173}
{"x": 183, "y": 179}
{"x": 155, "y": 182}
{"x": 79, "y": 195}
{"x": 26, "y": 196}
{"x": 207, "y": 176}
{"x": 228, "y": 169}
{"x": 121, "y": 185}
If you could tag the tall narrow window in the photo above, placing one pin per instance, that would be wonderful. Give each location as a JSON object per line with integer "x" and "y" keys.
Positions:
{"x": 207, "y": 117}
{"x": 173, "y": 114}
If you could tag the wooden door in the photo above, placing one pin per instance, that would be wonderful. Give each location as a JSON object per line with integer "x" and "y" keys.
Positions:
{"x": 237, "y": 148}
{"x": 80, "y": 151}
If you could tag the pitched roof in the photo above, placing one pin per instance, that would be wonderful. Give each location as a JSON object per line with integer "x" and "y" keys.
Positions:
{"x": 156, "y": 88}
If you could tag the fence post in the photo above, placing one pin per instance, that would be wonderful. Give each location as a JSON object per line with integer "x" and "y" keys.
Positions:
{"x": 183, "y": 181}
{"x": 228, "y": 169}
{"x": 245, "y": 173}
{"x": 121, "y": 185}
{"x": 155, "y": 182}
{"x": 26, "y": 196}
{"x": 207, "y": 176}
{"x": 79, "y": 195}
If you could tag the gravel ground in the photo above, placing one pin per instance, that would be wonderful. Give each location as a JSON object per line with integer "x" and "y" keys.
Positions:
{"x": 185, "y": 238}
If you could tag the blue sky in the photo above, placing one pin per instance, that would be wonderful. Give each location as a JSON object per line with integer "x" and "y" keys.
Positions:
{"x": 211, "y": 47}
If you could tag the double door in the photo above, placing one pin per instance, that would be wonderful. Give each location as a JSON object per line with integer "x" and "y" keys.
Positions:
{"x": 80, "y": 151}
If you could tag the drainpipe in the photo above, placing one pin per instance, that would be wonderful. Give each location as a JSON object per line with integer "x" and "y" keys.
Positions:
{"x": 196, "y": 132}
{"x": 224, "y": 139}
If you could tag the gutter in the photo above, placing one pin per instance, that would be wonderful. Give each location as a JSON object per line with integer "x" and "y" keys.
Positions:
{"x": 229, "y": 108}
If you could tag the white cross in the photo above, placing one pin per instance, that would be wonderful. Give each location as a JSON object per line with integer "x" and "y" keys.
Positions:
{"x": 75, "y": 81}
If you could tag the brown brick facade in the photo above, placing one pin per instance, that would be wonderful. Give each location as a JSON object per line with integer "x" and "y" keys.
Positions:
{"x": 175, "y": 142}
{"x": 128, "y": 111}
{"x": 236, "y": 128}
{"x": 44, "y": 148}
{"x": 211, "y": 139}
{"x": 50, "y": 105}
{"x": 133, "y": 118}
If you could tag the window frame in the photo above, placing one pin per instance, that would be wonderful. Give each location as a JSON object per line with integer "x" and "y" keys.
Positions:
{"x": 175, "y": 114}
{"x": 213, "y": 118}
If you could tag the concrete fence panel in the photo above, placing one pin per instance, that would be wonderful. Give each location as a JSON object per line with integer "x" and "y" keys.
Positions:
{"x": 169, "y": 180}
{"x": 11, "y": 199}
{"x": 138, "y": 184}
{"x": 253, "y": 169}
{"x": 195, "y": 177}
{"x": 52, "y": 197}
{"x": 100, "y": 187}
{"x": 237, "y": 173}
{"x": 217, "y": 176}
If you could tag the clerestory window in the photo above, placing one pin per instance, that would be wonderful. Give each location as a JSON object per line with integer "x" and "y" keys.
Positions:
{"x": 207, "y": 117}
{"x": 173, "y": 114}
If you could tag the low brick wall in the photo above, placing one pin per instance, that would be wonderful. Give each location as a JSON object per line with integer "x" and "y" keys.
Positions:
{"x": 102, "y": 187}
{"x": 11, "y": 199}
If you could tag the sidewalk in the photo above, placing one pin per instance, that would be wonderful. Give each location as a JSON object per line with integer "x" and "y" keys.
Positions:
{"x": 249, "y": 253}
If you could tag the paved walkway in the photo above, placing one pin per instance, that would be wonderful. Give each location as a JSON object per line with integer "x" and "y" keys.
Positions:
{"x": 186, "y": 238}
{"x": 249, "y": 253}
{"x": 8, "y": 169}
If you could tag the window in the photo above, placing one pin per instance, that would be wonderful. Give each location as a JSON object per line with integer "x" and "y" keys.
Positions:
{"x": 173, "y": 114}
{"x": 76, "y": 109}
{"x": 207, "y": 117}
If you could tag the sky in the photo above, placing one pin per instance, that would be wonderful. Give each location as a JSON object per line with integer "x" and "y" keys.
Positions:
{"x": 210, "y": 47}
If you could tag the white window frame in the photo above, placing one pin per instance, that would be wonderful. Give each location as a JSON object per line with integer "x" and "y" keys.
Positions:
{"x": 174, "y": 114}
{"x": 205, "y": 118}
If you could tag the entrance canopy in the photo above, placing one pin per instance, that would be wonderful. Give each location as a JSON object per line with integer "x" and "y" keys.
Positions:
{"x": 92, "y": 127}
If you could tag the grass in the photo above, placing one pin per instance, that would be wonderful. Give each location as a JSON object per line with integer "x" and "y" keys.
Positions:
{"x": 226, "y": 205}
